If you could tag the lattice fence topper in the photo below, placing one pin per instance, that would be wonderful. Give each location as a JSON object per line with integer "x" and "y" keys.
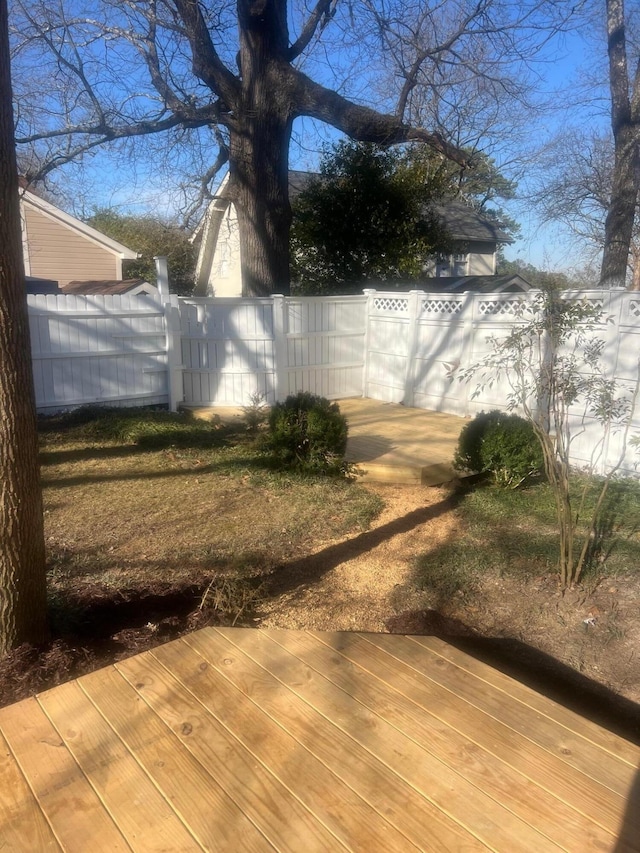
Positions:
{"x": 441, "y": 306}
{"x": 510, "y": 307}
{"x": 390, "y": 304}
{"x": 634, "y": 308}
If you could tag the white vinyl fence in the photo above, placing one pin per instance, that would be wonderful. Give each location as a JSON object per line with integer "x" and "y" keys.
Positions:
{"x": 418, "y": 342}
{"x": 98, "y": 349}
{"x": 398, "y": 347}
{"x": 235, "y": 348}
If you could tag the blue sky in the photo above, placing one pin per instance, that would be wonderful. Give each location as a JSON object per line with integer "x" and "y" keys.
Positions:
{"x": 109, "y": 180}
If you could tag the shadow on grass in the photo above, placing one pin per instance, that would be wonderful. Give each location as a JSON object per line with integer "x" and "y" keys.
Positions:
{"x": 86, "y": 454}
{"x": 310, "y": 569}
{"x": 230, "y": 466}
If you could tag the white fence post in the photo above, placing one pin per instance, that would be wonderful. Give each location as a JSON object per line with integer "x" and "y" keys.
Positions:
{"x": 162, "y": 277}
{"x": 415, "y": 310}
{"x": 279, "y": 307}
{"x": 175, "y": 382}
{"x": 468, "y": 335}
{"x": 369, "y": 292}
{"x": 174, "y": 353}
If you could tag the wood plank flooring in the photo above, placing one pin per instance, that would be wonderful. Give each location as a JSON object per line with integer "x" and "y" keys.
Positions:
{"x": 250, "y": 740}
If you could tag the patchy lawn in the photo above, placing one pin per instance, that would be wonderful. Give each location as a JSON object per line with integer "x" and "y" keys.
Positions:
{"x": 156, "y": 527}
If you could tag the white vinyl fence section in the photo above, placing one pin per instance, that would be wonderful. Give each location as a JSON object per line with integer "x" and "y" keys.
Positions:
{"x": 98, "y": 349}
{"x": 418, "y": 342}
{"x": 399, "y": 347}
{"x": 233, "y": 349}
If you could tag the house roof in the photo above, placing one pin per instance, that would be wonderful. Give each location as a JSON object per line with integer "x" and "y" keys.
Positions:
{"x": 35, "y": 285}
{"x": 74, "y": 224}
{"x": 465, "y": 223}
{"x": 94, "y": 288}
{"x": 477, "y": 283}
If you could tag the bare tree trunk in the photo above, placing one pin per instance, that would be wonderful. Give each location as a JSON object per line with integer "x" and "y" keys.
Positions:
{"x": 635, "y": 265}
{"x": 22, "y": 553}
{"x": 259, "y": 186}
{"x": 622, "y": 209}
{"x": 625, "y": 113}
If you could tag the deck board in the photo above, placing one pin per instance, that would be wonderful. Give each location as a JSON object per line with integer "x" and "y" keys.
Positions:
{"x": 251, "y": 740}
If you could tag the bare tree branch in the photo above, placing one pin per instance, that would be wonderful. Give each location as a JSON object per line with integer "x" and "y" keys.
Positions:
{"x": 206, "y": 63}
{"x": 322, "y": 13}
{"x": 363, "y": 123}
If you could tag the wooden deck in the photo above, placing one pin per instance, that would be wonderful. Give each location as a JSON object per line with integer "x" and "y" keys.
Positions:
{"x": 390, "y": 443}
{"x": 251, "y": 740}
{"x": 395, "y": 444}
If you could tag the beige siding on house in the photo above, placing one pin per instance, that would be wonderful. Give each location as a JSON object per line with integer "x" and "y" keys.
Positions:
{"x": 482, "y": 258}
{"x": 225, "y": 278}
{"x": 58, "y": 253}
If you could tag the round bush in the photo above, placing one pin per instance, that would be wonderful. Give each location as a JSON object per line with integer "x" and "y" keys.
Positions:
{"x": 504, "y": 445}
{"x": 306, "y": 431}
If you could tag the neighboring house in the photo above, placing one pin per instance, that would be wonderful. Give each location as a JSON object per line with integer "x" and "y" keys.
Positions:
{"x": 476, "y": 240}
{"x": 509, "y": 283}
{"x": 130, "y": 287}
{"x": 59, "y": 247}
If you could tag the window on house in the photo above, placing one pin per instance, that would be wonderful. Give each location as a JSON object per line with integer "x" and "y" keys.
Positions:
{"x": 452, "y": 265}
{"x": 460, "y": 263}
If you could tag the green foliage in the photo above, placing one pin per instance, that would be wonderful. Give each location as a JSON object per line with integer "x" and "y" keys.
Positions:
{"x": 150, "y": 429}
{"x": 256, "y": 412}
{"x": 308, "y": 433}
{"x": 370, "y": 214}
{"x": 482, "y": 187}
{"x": 502, "y": 444}
{"x": 151, "y": 237}
{"x": 367, "y": 216}
{"x": 554, "y": 366}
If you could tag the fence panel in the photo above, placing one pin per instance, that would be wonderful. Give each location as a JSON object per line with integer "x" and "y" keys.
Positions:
{"x": 228, "y": 350}
{"x": 324, "y": 349}
{"x": 387, "y": 358}
{"x": 88, "y": 349}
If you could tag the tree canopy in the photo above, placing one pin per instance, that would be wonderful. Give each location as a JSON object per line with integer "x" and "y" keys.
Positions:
{"x": 371, "y": 214}
{"x": 367, "y": 215}
{"x": 151, "y": 236}
{"x": 234, "y": 77}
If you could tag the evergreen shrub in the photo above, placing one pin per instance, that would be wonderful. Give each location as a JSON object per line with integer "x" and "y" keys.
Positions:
{"x": 308, "y": 432}
{"x": 501, "y": 444}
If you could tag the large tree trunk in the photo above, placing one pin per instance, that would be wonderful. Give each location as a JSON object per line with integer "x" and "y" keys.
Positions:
{"x": 259, "y": 147}
{"x": 625, "y": 116}
{"x": 621, "y": 213}
{"x": 259, "y": 187}
{"x": 22, "y": 554}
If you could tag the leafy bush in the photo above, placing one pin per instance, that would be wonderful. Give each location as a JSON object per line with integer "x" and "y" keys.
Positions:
{"x": 504, "y": 445}
{"x": 308, "y": 432}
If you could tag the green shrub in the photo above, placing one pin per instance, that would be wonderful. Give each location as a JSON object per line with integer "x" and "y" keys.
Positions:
{"x": 504, "y": 445}
{"x": 308, "y": 432}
